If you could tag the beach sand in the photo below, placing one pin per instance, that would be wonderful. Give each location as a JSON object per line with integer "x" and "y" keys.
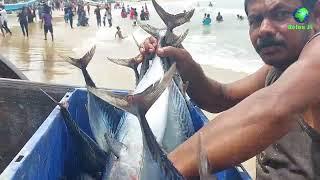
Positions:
{"x": 41, "y": 60}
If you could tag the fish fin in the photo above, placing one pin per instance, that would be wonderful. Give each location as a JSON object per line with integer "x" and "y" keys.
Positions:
{"x": 63, "y": 105}
{"x": 178, "y": 40}
{"x": 149, "y": 29}
{"x": 130, "y": 62}
{"x": 204, "y": 167}
{"x": 171, "y": 20}
{"x": 144, "y": 99}
{"x": 115, "y": 146}
{"x": 83, "y": 62}
{"x": 135, "y": 41}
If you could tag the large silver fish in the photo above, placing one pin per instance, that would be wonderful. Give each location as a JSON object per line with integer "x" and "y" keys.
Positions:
{"x": 135, "y": 158}
{"x": 91, "y": 158}
{"x": 179, "y": 125}
{"x": 103, "y": 118}
{"x": 125, "y": 141}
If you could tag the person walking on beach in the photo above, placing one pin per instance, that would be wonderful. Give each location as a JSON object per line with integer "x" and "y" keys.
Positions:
{"x": 47, "y": 23}
{"x": 30, "y": 15}
{"x": 273, "y": 114}
{"x": 23, "y": 20}
{"x": 88, "y": 9}
{"x": 4, "y": 19}
{"x": 109, "y": 18}
{"x": 104, "y": 19}
{"x": 1, "y": 28}
{"x": 98, "y": 15}
{"x": 128, "y": 9}
{"x": 66, "y": 15}
{"x": 70, "y": 16}
{"x": 146, "y": 11}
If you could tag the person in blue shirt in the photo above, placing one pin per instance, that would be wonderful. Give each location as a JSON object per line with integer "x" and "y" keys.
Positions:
{"x": 207, "y": 20}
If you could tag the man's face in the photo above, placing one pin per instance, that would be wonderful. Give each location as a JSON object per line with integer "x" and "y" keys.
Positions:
{"x": 274, "y": 42}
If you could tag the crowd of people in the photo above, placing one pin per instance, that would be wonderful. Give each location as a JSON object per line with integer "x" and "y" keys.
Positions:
{"x": 102, "y": 13}
{"x": 207, "y": 19}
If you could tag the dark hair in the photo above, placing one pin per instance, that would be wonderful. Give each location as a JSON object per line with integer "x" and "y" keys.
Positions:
{"x": 309, "y": 4}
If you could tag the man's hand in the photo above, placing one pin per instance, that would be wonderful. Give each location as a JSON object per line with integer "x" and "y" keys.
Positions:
{"x": 182, "y": 57}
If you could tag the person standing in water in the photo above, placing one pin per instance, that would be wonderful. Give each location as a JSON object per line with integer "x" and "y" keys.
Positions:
{"x": 207, "y": 20}
{"x": 119, "y": 33}
{"x": 23, "y": 20}
{"x": 47, "y": 23}
{"x": 98, "y": 15}
{"x": 4, "y": 19}
{"x": 219, "y": 17}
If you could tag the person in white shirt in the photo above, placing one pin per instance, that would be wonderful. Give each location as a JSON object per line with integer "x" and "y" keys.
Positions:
{"x": 4, "y": 19}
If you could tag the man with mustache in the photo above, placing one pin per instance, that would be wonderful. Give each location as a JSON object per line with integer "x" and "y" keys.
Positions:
{"x": 273, "y": 113}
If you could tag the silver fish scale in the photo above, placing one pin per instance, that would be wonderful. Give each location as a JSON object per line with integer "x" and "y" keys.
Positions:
{"x": 103, "y": 118}
{"x": 179, "y": 125}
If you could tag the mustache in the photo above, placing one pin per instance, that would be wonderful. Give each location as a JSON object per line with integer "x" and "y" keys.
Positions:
{"x": 267, "y": 42}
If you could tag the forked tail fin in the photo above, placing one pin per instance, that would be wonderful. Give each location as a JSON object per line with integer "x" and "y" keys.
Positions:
{"x": 170, "y": 20}
{"x": 82, "y": 64}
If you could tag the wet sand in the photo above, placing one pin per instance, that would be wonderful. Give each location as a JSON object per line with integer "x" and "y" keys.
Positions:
{"x": 41, "y": 60}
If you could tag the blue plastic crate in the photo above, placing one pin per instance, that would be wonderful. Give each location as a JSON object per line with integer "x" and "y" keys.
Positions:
{"x": 50, "y": 153}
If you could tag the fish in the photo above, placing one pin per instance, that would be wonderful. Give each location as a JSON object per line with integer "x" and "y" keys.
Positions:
{"x": 103, "y": 118}
{"x": 125, "y": 140}
{"x": 142, "y": 154}
{"x": 92, "y": 159}
{"x": 179, "y": 126}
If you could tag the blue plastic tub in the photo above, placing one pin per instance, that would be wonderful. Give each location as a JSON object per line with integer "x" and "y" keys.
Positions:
{"x": 50, "y": 153}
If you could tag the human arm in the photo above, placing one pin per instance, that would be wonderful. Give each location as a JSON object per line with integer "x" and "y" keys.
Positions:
{"x": 258, "y": 121}
{"x": 222, "y": 96}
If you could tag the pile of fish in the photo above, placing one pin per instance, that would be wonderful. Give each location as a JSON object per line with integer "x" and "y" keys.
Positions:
{"x": 134, "y": 131}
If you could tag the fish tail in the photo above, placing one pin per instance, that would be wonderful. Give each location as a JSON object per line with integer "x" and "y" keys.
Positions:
{"x": 83, "y": 62}
{"x": 170, "y": 20}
